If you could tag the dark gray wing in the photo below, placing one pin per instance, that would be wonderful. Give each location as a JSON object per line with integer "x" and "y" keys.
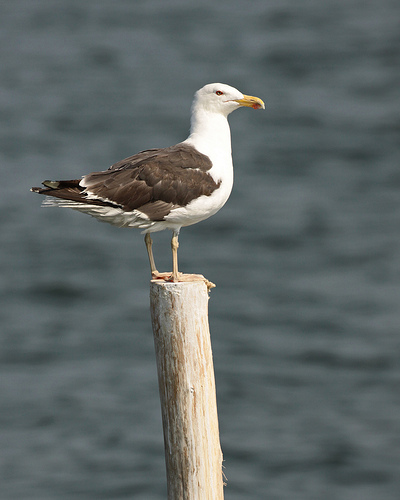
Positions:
{"x": 153, "y": 181}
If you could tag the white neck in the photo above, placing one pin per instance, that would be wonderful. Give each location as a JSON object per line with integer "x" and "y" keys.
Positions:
{"x": 210, "y": 134}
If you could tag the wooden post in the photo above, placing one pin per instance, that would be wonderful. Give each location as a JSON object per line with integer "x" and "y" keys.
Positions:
{"x": 179, "y": 313}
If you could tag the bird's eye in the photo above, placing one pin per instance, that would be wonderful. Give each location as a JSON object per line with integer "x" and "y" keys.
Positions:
{"x": 219, "y": 92}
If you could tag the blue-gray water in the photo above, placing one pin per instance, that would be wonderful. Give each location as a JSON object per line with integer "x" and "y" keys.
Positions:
{"x": 305, "y": 319}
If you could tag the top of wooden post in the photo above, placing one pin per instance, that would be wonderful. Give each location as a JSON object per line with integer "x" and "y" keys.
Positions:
{"x": 186, "y": 279}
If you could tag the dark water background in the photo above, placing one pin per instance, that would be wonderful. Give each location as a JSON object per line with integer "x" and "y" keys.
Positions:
{"x": 305, "y": 319}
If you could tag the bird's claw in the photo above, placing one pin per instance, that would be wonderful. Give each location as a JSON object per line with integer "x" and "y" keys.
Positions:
{"x": 181, "y": 278}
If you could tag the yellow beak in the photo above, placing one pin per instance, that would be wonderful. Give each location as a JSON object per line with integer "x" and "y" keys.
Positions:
{"x": 251, "y": 102}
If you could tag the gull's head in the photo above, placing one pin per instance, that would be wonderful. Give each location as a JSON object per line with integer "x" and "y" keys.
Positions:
{"x": 223, "y": 99}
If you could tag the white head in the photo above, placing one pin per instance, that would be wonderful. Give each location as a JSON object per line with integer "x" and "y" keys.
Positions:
{"x": 223, "y": 99}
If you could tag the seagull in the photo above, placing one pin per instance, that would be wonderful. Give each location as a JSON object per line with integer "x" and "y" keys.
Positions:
{"x": 164, "y": 188}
